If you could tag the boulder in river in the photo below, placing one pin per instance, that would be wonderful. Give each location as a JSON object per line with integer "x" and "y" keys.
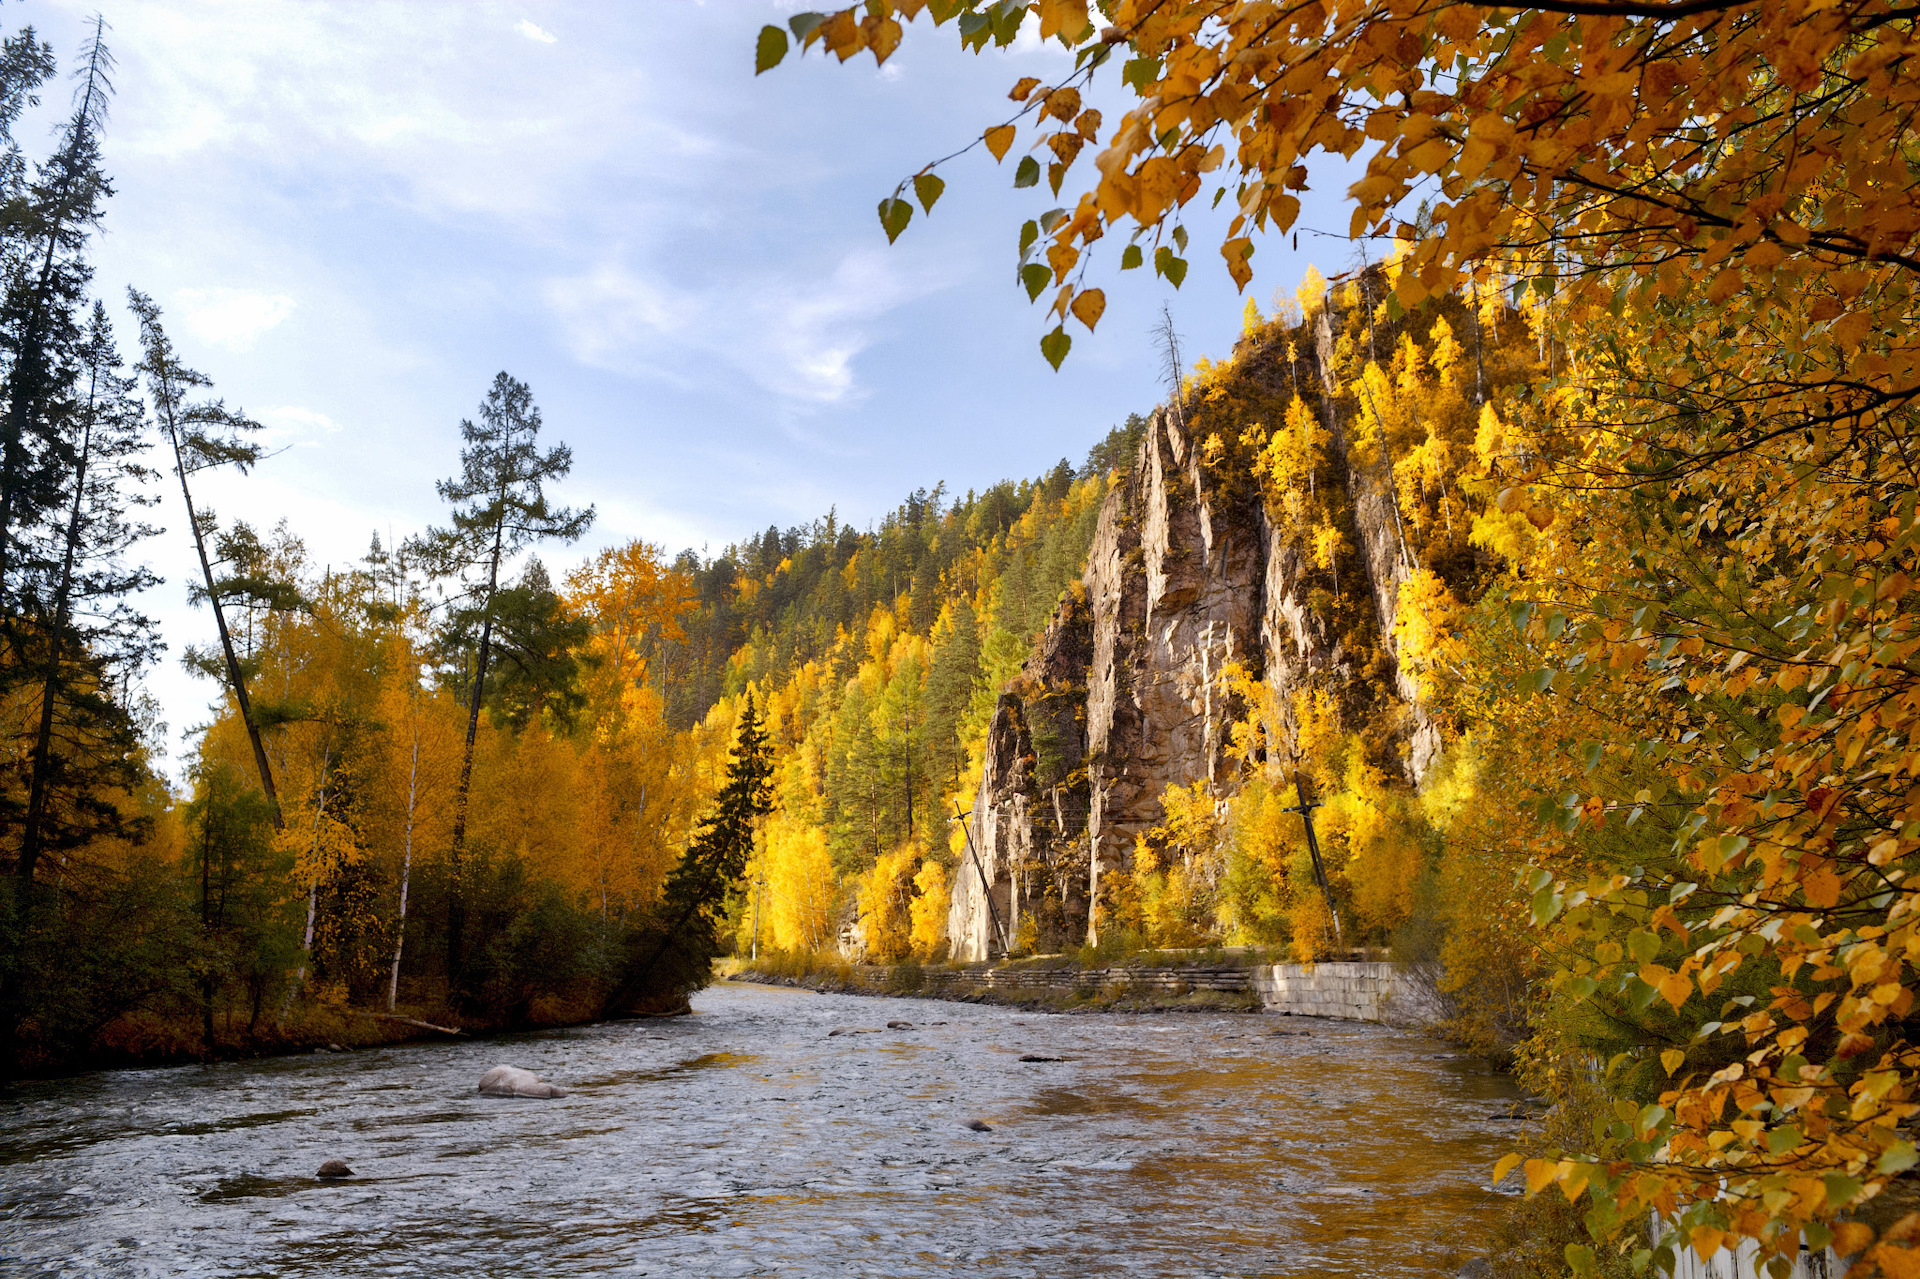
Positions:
{"x": 511, "y": 1081}
{"x": 899, "y": 1025}
{"x": 335, "y": 1168}
{"x": 979, "y": 1125}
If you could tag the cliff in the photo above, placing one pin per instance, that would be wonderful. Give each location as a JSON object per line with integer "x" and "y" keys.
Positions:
{"x": 1195, "y": 568}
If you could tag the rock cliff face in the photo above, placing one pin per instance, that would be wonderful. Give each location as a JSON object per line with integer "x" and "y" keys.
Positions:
{"x": 1128, "y": 692}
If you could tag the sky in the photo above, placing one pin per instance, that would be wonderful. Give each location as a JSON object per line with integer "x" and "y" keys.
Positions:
{"x": 353, "y": 215}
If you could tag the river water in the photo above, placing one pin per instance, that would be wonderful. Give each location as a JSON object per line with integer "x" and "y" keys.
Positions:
{"x": 748, "y": 1140}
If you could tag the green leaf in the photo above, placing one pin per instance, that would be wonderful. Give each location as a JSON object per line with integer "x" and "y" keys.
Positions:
{"x": 1546, "y": 906}
{"x": 771, "y": 48}
{"x": 1035, "y": 277}
{"x": 1165, "y": 263}
{"x": 1898, "y": 1158}
{"x": 1055, "y": 346}
{"x": 1783, "y": 1139}
{"x": 1180, "y": 237}
{"x": 895, "y": 213}
{"x": 927, "y": 189}
{"x": 1028, "y": 234}
{"x": 1643, "y": 946}
{"x": 1591, "y": 754}
{"x": 1580, "y": 1259}
{"x": 1140, "y": 72}
{"x": 1051, "y": 219}
{"x": 804, "y": 24}
{"x": 1394, "y": 309}
{"x": 1028, "y": 174}
{"x": 1840, "y": 1189}
{"x": 1131, "y": 257}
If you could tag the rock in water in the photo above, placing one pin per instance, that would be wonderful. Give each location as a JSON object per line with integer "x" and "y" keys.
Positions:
{"x": 335, "y": 1168}
{"x": 1037, "y": 1057}
{"x": 511, "y": 1081}
{"x": 979, "y": 1125}
{"x": 899, "y": 1025}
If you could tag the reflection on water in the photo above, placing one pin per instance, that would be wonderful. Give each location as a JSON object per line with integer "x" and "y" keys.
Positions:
{"x": 748, "y": 1141}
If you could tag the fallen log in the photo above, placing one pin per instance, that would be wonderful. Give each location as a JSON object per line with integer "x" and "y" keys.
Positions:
{"x": 409, "y": 1021}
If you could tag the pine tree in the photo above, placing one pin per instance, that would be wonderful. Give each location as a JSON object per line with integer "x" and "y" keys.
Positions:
{"x": 499, "y": 508}
{"x": 204, "y": 434}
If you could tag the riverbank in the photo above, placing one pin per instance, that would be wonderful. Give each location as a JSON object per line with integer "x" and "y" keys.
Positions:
{"x": 1359, "y": 988}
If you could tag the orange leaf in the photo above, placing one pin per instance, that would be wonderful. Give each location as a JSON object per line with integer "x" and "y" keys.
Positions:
{"x": 1088, "y": 306}
{"x": 998, "y": 139}
{"x": 1023, "y": 87}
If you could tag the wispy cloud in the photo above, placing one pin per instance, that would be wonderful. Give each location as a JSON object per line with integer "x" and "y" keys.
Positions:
{"x": 534, "y": 32}
{"x": 796, "y": 338}
{"x": 231, "y": 318}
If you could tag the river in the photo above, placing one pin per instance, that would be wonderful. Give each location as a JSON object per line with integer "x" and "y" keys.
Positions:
{"x": 748, "y": 1140}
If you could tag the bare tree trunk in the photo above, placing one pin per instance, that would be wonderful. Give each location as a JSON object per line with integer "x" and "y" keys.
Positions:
{"x": 406, "y": 871}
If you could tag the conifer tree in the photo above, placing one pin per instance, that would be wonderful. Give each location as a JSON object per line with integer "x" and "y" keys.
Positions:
{"x": 41, "y": 330}
{"x": 680, "y": 950}
{"x": 203, "y": 434}
{"x": 84, "y": 741}
{"x": 499, "y": 509}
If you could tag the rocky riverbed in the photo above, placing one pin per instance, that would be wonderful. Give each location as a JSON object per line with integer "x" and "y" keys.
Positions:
{"x": 749, "y": 1139}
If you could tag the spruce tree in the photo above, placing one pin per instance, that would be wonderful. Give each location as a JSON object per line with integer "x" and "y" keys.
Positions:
{"x": 499, "y": 509}
{"x": 42, "y": 322}
{"x": 89, "y": 642}
{"x": 678, "y": 949}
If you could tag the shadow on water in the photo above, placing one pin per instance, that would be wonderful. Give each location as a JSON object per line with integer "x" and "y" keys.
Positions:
{"x": 27, "y": 1151}
{"x": 250, "y": 1186}
{"x": 1065, "y": 1101}
{"x": 661, "y": 1074}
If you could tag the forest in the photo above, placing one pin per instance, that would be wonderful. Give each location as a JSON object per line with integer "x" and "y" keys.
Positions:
{"x": 1596, "y": 486}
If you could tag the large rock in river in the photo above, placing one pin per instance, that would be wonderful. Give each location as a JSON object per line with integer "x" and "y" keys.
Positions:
{"x": 511, "y": 1081}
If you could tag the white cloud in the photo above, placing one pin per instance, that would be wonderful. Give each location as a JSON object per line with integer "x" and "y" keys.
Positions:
{"x": 532, "y": 32}
{"x": 290, "y": 425}
{"x": 796, "y": 339}
{"x": 232, "y": 318}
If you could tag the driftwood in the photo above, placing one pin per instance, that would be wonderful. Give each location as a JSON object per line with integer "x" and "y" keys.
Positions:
{"x": 408, "y": 1021}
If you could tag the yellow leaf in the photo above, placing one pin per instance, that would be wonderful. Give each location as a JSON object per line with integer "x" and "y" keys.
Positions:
{"x": 1672, "y": 1058}
{"x": 1023, "y": 87}
{"x": 1850, "y": 1237}
{"x": 1675, "y": 989}
{"x": 1540, "y": 1174}
{"x": 1506, "y": 1165}
{"x": 1088, "y": 306}
{"x": 998, "y": 139}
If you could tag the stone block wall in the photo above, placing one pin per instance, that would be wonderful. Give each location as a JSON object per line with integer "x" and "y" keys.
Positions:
{"x": 1349, "y": 991}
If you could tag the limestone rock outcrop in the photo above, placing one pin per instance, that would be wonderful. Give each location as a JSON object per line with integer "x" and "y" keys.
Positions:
{"x": 1128, "y": 690}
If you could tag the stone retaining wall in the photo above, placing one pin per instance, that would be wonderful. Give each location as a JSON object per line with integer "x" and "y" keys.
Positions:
{"x": 1347, "y": 991}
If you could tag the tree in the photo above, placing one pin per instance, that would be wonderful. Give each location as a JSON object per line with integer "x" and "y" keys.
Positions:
{"x": 684, "y": 932}
{"x": 85, "y": 744}
{"x": 499, "y": 509}
{"x": 203, "y": 434}
{"x": 48, "y": 224}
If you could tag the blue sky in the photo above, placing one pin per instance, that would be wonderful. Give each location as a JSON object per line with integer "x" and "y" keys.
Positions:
{"x": 354, "y": 214}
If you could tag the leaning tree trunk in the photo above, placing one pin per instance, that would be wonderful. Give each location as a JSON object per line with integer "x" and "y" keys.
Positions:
{"x": 235, "y": 676}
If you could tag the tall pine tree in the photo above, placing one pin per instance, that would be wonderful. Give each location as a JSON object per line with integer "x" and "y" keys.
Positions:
{"x": 500, "y": 508}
